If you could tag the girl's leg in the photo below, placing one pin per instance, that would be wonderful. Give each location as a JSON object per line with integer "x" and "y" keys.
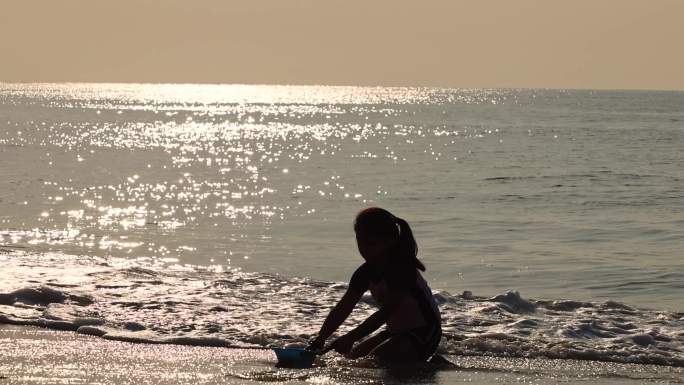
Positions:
{"x": 398, "y": 349}
{"x": 366, "y": 346}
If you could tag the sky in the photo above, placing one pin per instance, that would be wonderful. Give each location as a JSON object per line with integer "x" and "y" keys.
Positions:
{"x": 597, "y": 44}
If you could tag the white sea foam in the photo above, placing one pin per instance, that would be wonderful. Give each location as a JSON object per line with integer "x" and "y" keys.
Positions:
{"x": 143, "y": 302}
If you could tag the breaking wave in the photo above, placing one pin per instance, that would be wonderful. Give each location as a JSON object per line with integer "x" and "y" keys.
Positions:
{"x": 152, "y": 302}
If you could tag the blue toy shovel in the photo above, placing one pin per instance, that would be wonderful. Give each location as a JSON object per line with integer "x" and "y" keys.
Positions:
{"x": 297, "y": 358}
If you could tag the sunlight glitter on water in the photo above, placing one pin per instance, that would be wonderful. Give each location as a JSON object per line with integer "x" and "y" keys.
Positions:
{"x": 236, "y": 162}
{"x": 142, "y": 96}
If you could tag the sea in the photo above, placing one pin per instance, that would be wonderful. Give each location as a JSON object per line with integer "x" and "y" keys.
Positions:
{"x": 551, "y": 221}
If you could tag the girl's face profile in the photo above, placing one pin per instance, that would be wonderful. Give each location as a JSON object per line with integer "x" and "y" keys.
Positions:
{"x": 374, "y": 249}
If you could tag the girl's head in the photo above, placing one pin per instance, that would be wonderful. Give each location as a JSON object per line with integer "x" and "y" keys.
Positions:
{"x": 385, "y": 239}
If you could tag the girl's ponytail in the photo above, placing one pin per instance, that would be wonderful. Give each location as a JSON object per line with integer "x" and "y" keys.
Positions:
{"x": 407, "y": 244}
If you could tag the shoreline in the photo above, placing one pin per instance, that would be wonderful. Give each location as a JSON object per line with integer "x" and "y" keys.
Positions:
{"x": 32, "y": 355}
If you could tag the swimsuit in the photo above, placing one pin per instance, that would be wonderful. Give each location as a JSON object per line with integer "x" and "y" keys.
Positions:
{"x": 417, "y": 315}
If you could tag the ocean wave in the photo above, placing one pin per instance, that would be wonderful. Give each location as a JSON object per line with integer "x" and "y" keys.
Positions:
{"x": 193, "y": 305}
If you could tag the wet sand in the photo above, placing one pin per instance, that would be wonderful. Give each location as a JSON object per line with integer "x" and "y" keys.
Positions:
{"x": 40, "y": 356}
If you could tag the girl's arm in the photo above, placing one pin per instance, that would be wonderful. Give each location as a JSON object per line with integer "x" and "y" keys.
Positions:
{"x": 368, "y": 326}
{"x": 344, "y": 344}
{"x": 338, "y": 314}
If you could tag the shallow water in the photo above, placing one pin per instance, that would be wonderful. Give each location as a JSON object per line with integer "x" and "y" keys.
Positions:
{"x": 233, "y": 196}
{"x": 44, "y": 356}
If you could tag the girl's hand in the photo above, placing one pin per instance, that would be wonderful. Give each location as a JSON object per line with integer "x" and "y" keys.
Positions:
{"x": 316, "y": 344}
{"x": 343, "y": 345}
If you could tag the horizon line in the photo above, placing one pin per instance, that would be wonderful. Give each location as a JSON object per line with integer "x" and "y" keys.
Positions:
{"x": 344, "y": 86}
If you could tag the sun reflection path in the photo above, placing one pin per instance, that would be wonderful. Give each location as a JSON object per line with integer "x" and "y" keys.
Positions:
{"x": 168, "y": 169}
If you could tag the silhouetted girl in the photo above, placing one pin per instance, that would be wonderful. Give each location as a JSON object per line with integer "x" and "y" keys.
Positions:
{"x": 392, "y": 274}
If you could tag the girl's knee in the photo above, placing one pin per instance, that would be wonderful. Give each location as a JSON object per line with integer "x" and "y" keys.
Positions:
{"x": 396, "y": 349}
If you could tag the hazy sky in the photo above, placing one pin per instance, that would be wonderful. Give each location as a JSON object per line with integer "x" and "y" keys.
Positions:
{"x": 451, "y": 43}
